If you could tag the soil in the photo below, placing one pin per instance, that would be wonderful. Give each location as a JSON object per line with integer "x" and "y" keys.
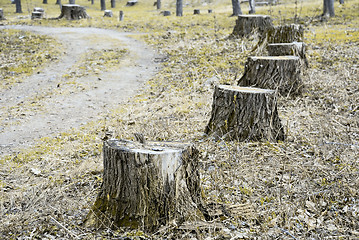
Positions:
{"x": 62, "y": 112}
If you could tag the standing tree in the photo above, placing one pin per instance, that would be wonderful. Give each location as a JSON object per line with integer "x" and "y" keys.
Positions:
{"x": 113, "y": 3}
{"x": 236, "y": 8}
{"x": 252, "y": 6}
{"x": 103, "y": 5}
{"x": 158, "y": 4}
{"x": 328, "y": 8}
{"x": 58, "y": 2}
{"x": 179, "y": 8}
{"x": 18, "y": 6}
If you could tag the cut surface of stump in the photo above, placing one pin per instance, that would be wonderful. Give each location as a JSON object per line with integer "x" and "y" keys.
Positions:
{"x": 147, "y": 185}
{"x": 247, "y": 24}
{"x": 73, "y": 12}
{"x": 245, "y": 114}
{"x": 280, "y": 73}
{"x": 286, "y": 49}
{"x": 286, "y": 34}
{"x": 108, "y": 13}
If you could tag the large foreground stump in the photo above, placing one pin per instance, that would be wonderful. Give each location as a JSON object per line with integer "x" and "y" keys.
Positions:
{"x": 287, "y": 49}
{"x": 147, "y": 185}
{"x": 286, "y": 34}
{"x": 280, "y": 73}
{"x": 247, "y": 24}
{"x": 244, "y": 114}
{"x": 73, "y": 12}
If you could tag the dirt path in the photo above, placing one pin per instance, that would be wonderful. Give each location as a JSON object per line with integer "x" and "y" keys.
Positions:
{"x": 61, "y": 112}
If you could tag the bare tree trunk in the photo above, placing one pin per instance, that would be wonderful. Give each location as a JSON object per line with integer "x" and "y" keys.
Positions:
{"x": 341, "y": 1}
{"x": 236, "y": 8}
{"x": 44, "y": 1}
{"x": 328, "y": 8}
{"x": 103, "y": 5}
{"x": 158, "y": 4}
{"x": 18, "y": 6}
{"x": 2, "y": 14}
{"x": 147, "y": 185}
{"x": 245, "y": 114}
{"x": 252, "y": 6}
{"x": 58, "y": 2}
{"x": 113, "y": 3}
{"x": 179, "y": 8}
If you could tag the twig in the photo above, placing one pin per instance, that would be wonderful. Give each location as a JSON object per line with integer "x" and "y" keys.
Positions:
{"x": 67, "y": 230}
{"x": 286, "y": 232}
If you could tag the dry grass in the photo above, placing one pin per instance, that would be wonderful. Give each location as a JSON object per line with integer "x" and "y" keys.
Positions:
{"x": 305, "y": 187}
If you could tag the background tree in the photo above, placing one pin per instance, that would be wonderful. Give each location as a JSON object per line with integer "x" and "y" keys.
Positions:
{"x": 328, "y": 8}
{"x": 113, "y": 3}
{"x": 236, "y": 8}
{"x": 158, "y": 4}
{"x": 18, "y": 6}
{"x": 103, "y": 5}
{"x": 252, "y": 6}
{"x": 179, "y": 8}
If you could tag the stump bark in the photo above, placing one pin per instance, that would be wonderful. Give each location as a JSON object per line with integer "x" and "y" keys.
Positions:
{"x": 245, "y": 114}
{"x": 280, "y": 73}
{"x": 247, "y": 24}
{"x": 2, "y": 14}
{"x": 147, "y": 185}
{"x": 286, "y": 34}
{"x": 287, "y": 49}
{"x": 73, "y": 12}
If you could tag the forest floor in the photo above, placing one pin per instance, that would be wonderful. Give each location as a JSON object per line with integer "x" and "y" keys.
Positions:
{"x": 305, "y": 187}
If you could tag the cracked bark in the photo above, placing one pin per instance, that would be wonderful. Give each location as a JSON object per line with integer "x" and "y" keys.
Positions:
{"x": 244, "y": 114}
{"x": 147, "y": 185}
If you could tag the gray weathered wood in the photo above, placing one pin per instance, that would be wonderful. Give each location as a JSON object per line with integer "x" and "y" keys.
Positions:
{"x": 131, "y": 3}
{"x": 121, "y": 16}
{"x": 73, "y": 12}
{"x": 286, "y": 49}
{"x": 286, "y": 34}
{"x": 280, "y": 73}
{"x": 244, "y": 114}
{"x": 247, "y": 24}
{"x": 147, "y": 185}
{"x": 108, "y": 13}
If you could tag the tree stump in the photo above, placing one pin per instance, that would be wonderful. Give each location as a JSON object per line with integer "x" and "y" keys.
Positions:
{"x": 131, "y": 3}
{"x": 286, "y": 34}
{"x": 166, "y": 13}
{"x": 247, "y": 24}
{"x": 147, "y": 185}
{"x": 121, "y": 16}
{"x": 73, "y": 12}
{"x": 196, "y": 11}
{"x": 37, "y": 15}
{"x": 245, "y": 114}
{"x": 108, "y": 13}
{"x": 286, "y": 49}
{"x": 2, "y": 14}
{"x": 280, "y": 73}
